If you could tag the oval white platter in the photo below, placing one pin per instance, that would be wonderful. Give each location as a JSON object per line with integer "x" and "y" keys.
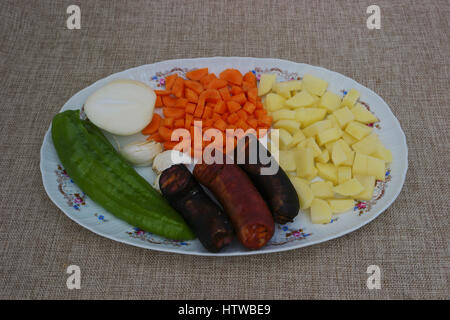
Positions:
{"x": 77, "y": 206}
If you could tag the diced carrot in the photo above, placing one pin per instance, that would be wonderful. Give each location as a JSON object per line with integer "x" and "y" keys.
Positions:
{"x": 207, "y": 113}
{"x": 252, "y": 95}
{"x": 259, "y": 105}
{"x": 208, "y": 122}
{"x": 176, "y": 113}
{"x": 242, "y": 124}
{"x": 158, "y": 102}
{"x": 169, "y": 101}
{"x": 246, "y": 86}
{"x": 170, "y": 80}
{"x": 233, "y": 118}
{"x": 191, "y": 95}
{"x": 155, "y": 137}
{"x": 216, "y": 116}
{"x": 199, "y": 110}
{"x": 193, "y": 85}
{"x": 167, "y": 122}
{"x": 220, "y": 107}
{"x": 231, "y": 126}
{"x": 165, "y": 133}
{"x": 249, "y": 107}
{"x": 250, "y": 78}
{"x": 217, "y": 84}
{"x": 190, "y": 108}
{"x": 265, "y": 121}
{"x": 233, "y": 76}
{"x": 197, "y": 74}
{"x": 162, "y": 92}
{"x": 225, "y": 93}
{"x": 169, "y": 145}
{"x": 210, "y": 105}
{"x": 225, "y": 116}
{"x": 242, "y": 115}
{"x": 220, "y": 124}
{"x": 211, "y": 95}
{"x": 153, "y": 126}
{"x": 179, "y": 123}
{"x": 181, "y": 103}
{"x": 178, "y": 88}
{"x": 188, "y": 120}
{"x": 235, "y": 90}
{"x": 207, "y": 79}
{"x": 233, "y": 106}
{"x": 240, "y": 98}
{"x": 260, "y": 113}
{"x": 252, "y": 122}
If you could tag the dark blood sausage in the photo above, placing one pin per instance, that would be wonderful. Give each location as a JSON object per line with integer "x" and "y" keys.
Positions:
{"x": 242, "y": 202}
{"x": 209, "y": 223}
{"x": 276, "y": 189}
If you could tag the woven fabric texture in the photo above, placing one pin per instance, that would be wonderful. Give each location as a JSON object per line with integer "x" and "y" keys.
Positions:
{"x": 42, "y": 64}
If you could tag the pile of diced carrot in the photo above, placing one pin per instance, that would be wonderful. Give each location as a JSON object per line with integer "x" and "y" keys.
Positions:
{"x": 230, "y": 101}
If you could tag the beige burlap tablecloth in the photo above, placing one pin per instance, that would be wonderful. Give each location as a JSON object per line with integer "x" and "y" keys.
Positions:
{"x": 43, "y": 64}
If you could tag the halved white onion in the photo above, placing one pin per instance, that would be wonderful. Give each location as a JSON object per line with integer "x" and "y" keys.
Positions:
{"x": 122, "y": 107}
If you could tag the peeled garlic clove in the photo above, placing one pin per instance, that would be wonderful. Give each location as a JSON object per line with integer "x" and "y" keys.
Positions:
{"x": 141, "y": 154}
{"x": 168, "y": 158}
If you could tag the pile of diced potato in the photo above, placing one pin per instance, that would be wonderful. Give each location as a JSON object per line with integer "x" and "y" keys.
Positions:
{"x": 322, "y": 134}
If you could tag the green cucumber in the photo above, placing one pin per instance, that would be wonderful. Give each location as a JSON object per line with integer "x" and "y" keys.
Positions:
{"x": 101, "y": 172}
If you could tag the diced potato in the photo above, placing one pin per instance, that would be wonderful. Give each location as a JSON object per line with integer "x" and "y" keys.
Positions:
{"x": 316, "y": 128}
{"x": 368, "y": 182}
{"x": 367, "y": 145}
{"x": 341, "y": 205}
{"x": 330, "y": 101}
{"x": 311, "y": 176}
{"x": 265, "y": 83}
{"x": 308, "y": 116}
{"x": 383, "y": 154}
{"x": 322, "y": 189}
{"x": 376, "y": 167}
{"x": 285, "y": 138}
{"x": 274, "y": 102}
{"x": 320, "y": 211}
{"x": 329, "y": 146}
{"x": 349, "y": 188}
{"x": 350, "y": 98}
{"x": 324, "y": 156}
{"x": 297, "y": 138}
{"x": 349, "y": 154}
{"x": 334, "y": 123}
{"x": 283, "y": 114}
{"x": 360, "y": 165}
{"x": 285, "y": 88}
{"x": 304, "y": 160}
{"x": 350, "y": 158}
{"x": 343, "y": 116}
{"x": 362, "y": 114}
{"x": 329, "y": 135}
{"x": 304, "y": 192}
{"x": 311, "y": 143}
{"x": 358, "y": 130}
{"x": 300, "y": 100}
{"x": 314, "y": 84}
{"x": 316, "y": 101}
{"x": 344, "y": 174}
{"x": 327, "y": 171}
{"x": 287, "y": 161}
{"x": 289, "y": 125}
{"x": 348, "y": 138}
{"x": 338, "y": 154}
